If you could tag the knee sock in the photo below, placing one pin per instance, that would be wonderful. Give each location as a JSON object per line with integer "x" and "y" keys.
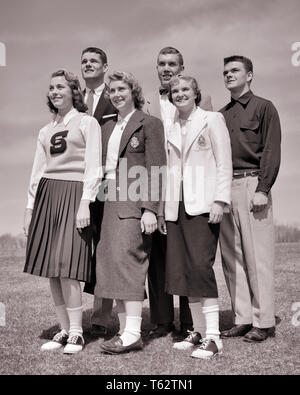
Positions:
{"x": 198, "y": 318}
{"x": 122, "y": 321}
{"x": 211, "y": 314}
{"x": 62, "y": 317}
{"x": 75, "y": 316}
{"x": 132, "y": 331}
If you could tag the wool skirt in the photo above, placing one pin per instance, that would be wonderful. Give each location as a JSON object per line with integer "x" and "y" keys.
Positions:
{"x": 122, "y": 256}
{"x": 55, "y": 247}
{"x": 191, "y": 251}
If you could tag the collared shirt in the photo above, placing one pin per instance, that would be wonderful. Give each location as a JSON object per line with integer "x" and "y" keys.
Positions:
{"x": 68, "y": 148}
{"x": 255, "y": 135}
{"x": 96, "y": 96}
{"x": 114, "y": 145}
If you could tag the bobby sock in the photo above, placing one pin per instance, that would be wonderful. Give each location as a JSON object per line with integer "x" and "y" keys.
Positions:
{"x": 212, "y": 321}
{"x": 132, "y": 331}
{"x": 198, "y": 318}
{"x": 75, "y": 316}
{"x": 122, "y": 321}
{"x": 62, "y": 317}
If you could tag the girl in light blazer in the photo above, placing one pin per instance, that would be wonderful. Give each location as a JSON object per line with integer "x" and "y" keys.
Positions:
{"x": 198, "y": 190}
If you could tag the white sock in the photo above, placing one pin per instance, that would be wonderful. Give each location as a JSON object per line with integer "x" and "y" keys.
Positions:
{"x": 212, "y": 321}
{"x": 62, "y": 317}
{"x": 75, "y": 316}
{"x": 132, "y": 331}
{"x": 122, "y": 321}
{"x": 198, "y": 317}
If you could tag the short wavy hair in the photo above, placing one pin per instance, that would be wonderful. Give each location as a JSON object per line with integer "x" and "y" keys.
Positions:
{"x": 171, "y": 51}
{"x": 133, "y": 84}
{"x": 99, "y": 51}
{"x": 74, "y": 84}
{"x": 194, "y": 84}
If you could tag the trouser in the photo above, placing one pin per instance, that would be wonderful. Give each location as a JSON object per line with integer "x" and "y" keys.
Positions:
{"x": 102, "y": 308}
{"x": 247, "y": 249}
{"x": 162, "y": 304}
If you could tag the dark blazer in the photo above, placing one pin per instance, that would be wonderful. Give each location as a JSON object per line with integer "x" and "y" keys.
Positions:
{"x": 142, "y": 144}
{"x": 104, "y": 111}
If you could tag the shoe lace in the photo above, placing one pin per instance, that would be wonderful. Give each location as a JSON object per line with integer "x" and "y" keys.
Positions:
{"x": 73, "y": 339}
{"x": 204, "y": 343}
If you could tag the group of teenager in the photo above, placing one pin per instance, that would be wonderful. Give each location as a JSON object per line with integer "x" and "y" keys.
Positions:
{"x": 125, "y": 188}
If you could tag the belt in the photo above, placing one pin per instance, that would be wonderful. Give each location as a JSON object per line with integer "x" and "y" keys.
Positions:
{"x": 245, "y": 173}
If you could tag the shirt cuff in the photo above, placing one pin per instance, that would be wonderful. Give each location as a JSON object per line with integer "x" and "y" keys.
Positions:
{"x": 261, "y": 187}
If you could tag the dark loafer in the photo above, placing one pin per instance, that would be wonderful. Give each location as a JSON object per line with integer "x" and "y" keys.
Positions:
{"x": 259, "y": 334}
{"x": 236, "y": 331}
{"x": 115, "y": 346}
{"x": 98, "y": 330}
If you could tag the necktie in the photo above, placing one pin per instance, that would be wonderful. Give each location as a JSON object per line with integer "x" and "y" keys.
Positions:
{"x": 163, "y": 91}
{"x": 90, "y": 102}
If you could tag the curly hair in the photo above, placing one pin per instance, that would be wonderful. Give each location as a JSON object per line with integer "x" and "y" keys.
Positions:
{"x": 133, "y": 84}
{"x": 194, "y": 85}
{"x": 74, "y": 84}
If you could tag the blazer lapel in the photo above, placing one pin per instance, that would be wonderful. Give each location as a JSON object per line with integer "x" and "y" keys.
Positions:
{"x": 133, "y": 124}
{"x": 197, "y": 126}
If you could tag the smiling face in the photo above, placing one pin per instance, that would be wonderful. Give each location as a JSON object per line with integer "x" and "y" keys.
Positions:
{"x": 236, "y": 77}
{"x": 121, "y": 97}
{"x": 92, "y": 67}
{"x": 183, "y": 95}
{"x": 168, "y": 66}
{"x": 60, "y": 94}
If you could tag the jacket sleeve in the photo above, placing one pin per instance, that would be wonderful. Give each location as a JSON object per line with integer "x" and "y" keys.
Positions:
{"x": 155, "y": 161}
{"x": 222, "y": 151}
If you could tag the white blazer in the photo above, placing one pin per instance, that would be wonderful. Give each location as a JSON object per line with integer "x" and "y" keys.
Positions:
{"x": 204, "y": 165}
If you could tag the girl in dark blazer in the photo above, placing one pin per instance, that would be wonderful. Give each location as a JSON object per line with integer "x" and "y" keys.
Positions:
{"x": 133, "y": 153}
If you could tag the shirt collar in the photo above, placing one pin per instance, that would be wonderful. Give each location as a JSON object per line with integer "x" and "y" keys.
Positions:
{"x": 97, "y": 91}
{"x": 66, "y": 119}
{"x": 190, "y": 117}
{"x": 126, "y": 119}
{"x": 244, "y": 99}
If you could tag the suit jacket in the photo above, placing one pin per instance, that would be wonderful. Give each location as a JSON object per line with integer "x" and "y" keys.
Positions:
{"x": 142, "y": 144}
{"x": 204, "y": 164}
{"x": 104, "y": 110}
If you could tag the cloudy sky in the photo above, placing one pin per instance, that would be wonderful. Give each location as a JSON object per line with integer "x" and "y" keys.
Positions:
{"x": 42, "y": 36}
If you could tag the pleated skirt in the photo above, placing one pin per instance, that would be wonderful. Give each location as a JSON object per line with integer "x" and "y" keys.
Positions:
{"x": 191, "y": 251}
{"x": 55, "y": 247}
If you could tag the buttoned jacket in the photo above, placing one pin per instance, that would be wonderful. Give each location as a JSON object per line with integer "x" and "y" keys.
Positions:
{"x": 141, "y": 150}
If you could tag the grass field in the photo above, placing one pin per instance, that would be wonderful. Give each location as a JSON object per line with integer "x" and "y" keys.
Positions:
{"x": 30, "y": 320}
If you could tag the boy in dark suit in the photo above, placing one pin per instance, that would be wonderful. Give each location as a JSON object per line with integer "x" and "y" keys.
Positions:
{"x": 93, "y": 68}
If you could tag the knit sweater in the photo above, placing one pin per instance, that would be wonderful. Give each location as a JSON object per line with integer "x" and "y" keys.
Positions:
{"x": 69, "y": 149}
